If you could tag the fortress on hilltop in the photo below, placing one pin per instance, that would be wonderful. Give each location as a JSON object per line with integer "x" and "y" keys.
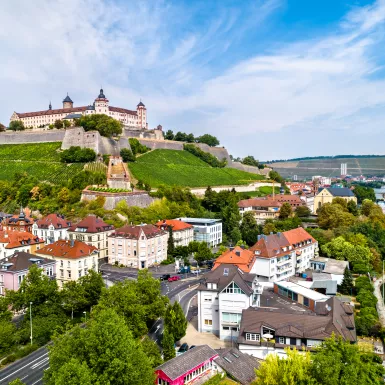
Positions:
{"x": 136, "y": 120}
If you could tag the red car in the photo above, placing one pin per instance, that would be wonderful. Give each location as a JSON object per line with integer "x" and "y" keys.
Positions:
{"x": 174, "y": 278}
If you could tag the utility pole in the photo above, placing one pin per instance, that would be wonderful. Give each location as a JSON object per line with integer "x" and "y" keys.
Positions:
{"x": 30, "y": 318}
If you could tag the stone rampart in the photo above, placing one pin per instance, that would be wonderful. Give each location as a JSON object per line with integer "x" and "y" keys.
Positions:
{"x": 139, "y": 199}
{"x": 78, "y": 137}
{"x": 251, "y": 169}
{"x": 31, "y": 137}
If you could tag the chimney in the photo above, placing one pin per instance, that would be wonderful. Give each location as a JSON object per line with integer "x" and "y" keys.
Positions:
{"x": 259, "y": 237}
{"x": 231, "y": 248}
{"x": 243, "y": 247}
{"x": 279, "y": 233}
{"x": 72, "y": 243}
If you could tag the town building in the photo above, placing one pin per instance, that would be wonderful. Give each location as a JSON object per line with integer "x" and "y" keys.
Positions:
{"x": 73, "y": 259}
{"x": 93, "y": 231}
{"x": 326, "y": 195}
{"x": 282, "y": 255}
{"x": 206, "y": 230}
{"x": 182, "y": 233}
{"x": 294, "y": 200}
{"x": 51, "y": 228}
{"x": 14, "y": 268}
{"x": 333, "y": 267}
{"x": 16, "y": 241}
{"x": 137, "y": 246}
{"x": 136, "y": 119}
{"x": 238, "y": 256}
{"x": 268, "y": 330}
{"x": 322, "y": 180}
{"x": 20, "y": 222}
{"x": 194, "y": 365}
{"x": 239, "y": 366}
{"x": 222, "y": 295}
{"x": 261, "y": 208}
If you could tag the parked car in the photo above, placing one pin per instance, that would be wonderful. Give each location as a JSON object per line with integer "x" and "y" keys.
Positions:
{"x": 197, "y": 271}
{"x": 174, "y": 278}
{"x": 165, "y": 277}
{"x": 183, "y": 348}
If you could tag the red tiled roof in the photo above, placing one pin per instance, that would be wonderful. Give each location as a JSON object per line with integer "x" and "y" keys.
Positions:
{"x": 259, "y": 202}
{"x": 56, "y": 220}
{"x": 14, "y": 239}
{"x": 67, "y": 249}
{"x": 51, "y": 112}
{"x": 282, "y": 198}
{"x": 122, "y": 110}
{"x": 242, "y": 258}
{"x": 176, "y": 225}
{"x": 133, "y": 232}
{"x": 298, "y": 235}
{"x": 91, "y": 224}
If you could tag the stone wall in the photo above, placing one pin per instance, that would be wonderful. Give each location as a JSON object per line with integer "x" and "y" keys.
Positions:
{"x": 139, "y": 199}
{"x": 78, "y": 137}
{"x": 251, "y": 169}
{"x": 32, "y": 136}
{"x": 200, "y": 191}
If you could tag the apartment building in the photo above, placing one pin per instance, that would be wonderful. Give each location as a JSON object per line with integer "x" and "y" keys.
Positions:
{"x": 206, "y": 230}
{"x": 182, "y": 233}
{"x": 14, "y": 241}
{"x": 137, "y": 246}
{"x": 51, "y": 228}
{"x": 261, "y": 208}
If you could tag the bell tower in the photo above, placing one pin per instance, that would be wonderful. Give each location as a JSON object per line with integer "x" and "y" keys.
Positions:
{"x": 101, "y": 103}
{"x": 67, "y": 102}
{"x": 142, "y": 118}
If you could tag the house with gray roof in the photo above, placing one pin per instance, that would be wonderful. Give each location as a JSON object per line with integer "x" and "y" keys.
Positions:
{"x": 327, "y": 194}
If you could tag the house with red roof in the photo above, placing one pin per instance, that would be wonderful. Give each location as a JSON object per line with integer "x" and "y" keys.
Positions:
{"x": 15, "y": 241}
{"x": 137, "y": 246}
{"x": 282, "y": 255}
{"x": 19, "y": 222}
{"x": 261, "y": 208}
{"x": 93, "y": 231}
{"x": 182, "y": 232}
{"x": 242, "y": 258}
{"x": 73, "y": 259}
{"x": 51, "y": 228}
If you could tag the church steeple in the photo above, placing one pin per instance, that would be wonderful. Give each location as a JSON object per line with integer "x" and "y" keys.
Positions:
{"x": 50, "y": 106}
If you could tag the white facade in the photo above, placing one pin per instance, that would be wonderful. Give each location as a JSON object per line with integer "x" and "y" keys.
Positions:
{"x": 206, "y": 230}
{"x": 183, "y": 237}
{"x": 50, "y": 234}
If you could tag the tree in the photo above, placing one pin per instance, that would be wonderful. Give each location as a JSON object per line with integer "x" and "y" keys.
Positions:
{"x": 169, "y": 135}
{"x": 285, "y": 210}
{"x": 7, "y": 335}
{"x": 352, "y": 208}
{"x": 168, "y": 345}
{"x": 77, "y": 154}
{"x": 190, "y": 138}
{"x": 106, "y": 125}
{"x": 127, "y": 155}
{"x": 302, "y": 211}
{"x": 103, "y": 353}
{"x": 73, "y": 295}
{"x": 74, "y": 372}
{"x": 346, "y": 286}
{"x": 334, "y": 215}
{"x": 58, "y": 124}
{"x": 363, "y": 193}
{"x": 66, "y": 123}
{"x": 151, "y": 350}
{"x": 203, "y": 252}
{"x": 249, "y": 228}
{"x": 170, "y": 243}
{"x": 18, "y": 382}
{"x": 339, "y": 362}
{"x": 250, "y": 161}
{"x": 180, "y": 136}
{"x": 175, "y": 321}
{"x": 274, "y": 175}
{"x": 64, "y": 196}
{"x": 16, "y": 125}
{"x": 293, "y": 370}
{"x": 269, "y": 227}
{"x": 92, "y": 285}
{"x": 210, "y": 140}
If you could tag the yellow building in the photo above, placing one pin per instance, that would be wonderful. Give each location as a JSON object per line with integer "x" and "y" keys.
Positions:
{"x": 326, "y": 195}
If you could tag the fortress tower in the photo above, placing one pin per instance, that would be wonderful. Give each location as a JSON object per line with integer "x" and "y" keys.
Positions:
{"x": 67, "y": 102}
{"x": 101, "y": 103}
{"x": 141, "y": 111}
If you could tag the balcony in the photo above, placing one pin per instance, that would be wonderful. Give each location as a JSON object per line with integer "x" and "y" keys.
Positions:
{"x": 282, "y": 261}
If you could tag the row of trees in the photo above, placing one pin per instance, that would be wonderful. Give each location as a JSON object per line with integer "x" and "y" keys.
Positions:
{"x": 208, "y": 139}
{"x": 76, "y": 154}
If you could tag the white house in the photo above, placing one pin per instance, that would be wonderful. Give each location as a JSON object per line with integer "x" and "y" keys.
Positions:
{"x": 225, "y": 292}
{"x": 182, "y": 233}
{"x": 51, "y": 228}
{"x": 206, "y": 230}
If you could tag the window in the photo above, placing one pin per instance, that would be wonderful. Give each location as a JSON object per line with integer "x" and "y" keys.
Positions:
{"x": 208, "y": 299}
{"x": 208, "y": 322}
{"x": 233, "y": 288}
{"x": 69, "y": 273}
{"x": 162, "y": 382}
{"x": 253, "y": 337}
{"x": 231, "y": 317}
{"x": 306, "y": 301}
{"x": 282, "y": 340}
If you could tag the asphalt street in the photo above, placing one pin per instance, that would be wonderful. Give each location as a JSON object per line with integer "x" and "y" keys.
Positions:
{"x": 30, "y": 369}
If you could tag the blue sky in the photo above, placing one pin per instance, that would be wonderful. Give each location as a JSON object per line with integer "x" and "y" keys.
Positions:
{"x": 270, "y": 78}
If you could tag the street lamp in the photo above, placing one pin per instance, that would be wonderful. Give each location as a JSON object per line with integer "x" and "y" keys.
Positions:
{"x": 85, "y": 316}
{"x": 30, "y": 318}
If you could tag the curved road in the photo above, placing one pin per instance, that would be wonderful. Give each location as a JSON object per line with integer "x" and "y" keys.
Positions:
{"x": 30, "y": 369}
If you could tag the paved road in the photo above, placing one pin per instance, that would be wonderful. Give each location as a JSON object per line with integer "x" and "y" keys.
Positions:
{"x": 30, "y": 369}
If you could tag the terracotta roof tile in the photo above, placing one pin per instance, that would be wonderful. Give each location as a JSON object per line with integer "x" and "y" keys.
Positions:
{"x": 242, "y": 258}
{"x": 91, "y": 224}
{"x": 56, "y": 220}
{"x": 51, "y": 112}
{"x": 133, "y": 232}
{"x": 67, "y": 249}
{"x": 259, "y": 202}
{"x": 122, "y": 110}
{"x": 176, "y": 225}
{"x": 14, "y": 239}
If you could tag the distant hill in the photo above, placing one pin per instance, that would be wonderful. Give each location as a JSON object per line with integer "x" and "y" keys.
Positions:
{"x": 180, "y": 168}
{"x": 370, "y": 165}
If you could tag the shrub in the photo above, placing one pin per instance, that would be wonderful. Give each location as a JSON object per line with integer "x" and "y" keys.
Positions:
{"x": 127, "y": 155}
{"x": 205, "y": 156}
{"x": 76, "y": 154}
{"x": 137, "y": 147}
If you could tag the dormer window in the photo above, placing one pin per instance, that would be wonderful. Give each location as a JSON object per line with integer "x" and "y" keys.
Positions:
{"x": 214, "y": 286}
{"x": 209, "y": 285}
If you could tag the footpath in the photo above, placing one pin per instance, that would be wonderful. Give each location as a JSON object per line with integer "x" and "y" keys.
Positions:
{"x": 380, "y": 302}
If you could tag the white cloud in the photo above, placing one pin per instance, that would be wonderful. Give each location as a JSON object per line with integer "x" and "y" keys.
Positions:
{"x": 154, "y": 50}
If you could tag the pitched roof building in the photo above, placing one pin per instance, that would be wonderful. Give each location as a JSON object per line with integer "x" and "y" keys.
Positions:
{"x": 14, "y": 241}
{"x": 302, "y": 330}
{"x": 294, "y": 200}
{"x": 19, "y": 222}
{"x": 242, "y": 258}
{"x": 262, "y": 208}
{"x": 51, "y": 228}
{"x": 327, "y": 194}
{"x": 182, "y": 233}
{"x": 137, "y": 246}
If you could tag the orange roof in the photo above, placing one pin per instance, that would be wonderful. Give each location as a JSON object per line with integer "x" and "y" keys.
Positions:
{"x": 67, "y": 249}
{"x": 259, "y": 202}
{"x": 298, "y": 235}
{"x": 18, "y": 239}
{"x": 282, "y": 198}
{"x": 176, "y": 224}
{"x": 242, "y": 258}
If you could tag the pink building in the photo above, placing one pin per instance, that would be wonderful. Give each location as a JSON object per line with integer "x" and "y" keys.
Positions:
{"x": 14, "y": 268}
{"x": 188, "y": 367}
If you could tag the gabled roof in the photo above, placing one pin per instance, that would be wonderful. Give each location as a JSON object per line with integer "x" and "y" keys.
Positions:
{"x": 176, "y": 224}
{"x": 292, "y": 199}
{"x": 56, "y": 220}
{"x": 134, "y": 232}
{"x": 14, "y": 239}
{"x": 238, "y": 365}
{"x": 67, "y": 249}
{"x": 298, "y": 235}
{"x": 338, "y": 191}
{"x": 91, "y": 224}
{"x": 22, "y": 261}
{"x": 180, "y": 365}
{"x": 122, "y": 110}
{"x": 224, "y": 274}
{"x": 242, "y": 258}
{"x": 258, "y": 202}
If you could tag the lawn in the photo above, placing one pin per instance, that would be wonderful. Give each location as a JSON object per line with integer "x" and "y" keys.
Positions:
{"x": 180, "y": 168}
{"x": 31, "y": 151}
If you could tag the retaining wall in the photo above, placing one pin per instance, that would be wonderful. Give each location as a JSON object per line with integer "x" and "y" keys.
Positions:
{"x": 200, "y": 191}
{"x": 32, "y": 137}
{"x": 251, "y": 169}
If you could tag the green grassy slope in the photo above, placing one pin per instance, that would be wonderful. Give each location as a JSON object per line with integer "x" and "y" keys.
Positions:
{"x": 40, "y": 160}
{"x": 172, "y": 167}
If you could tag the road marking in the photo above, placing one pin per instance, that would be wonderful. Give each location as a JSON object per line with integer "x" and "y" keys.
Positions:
{"x": 188, "y": 305}
{"x": 40, "y": 363}
{"x": 18, "y": 370}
